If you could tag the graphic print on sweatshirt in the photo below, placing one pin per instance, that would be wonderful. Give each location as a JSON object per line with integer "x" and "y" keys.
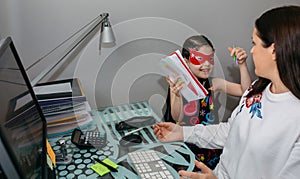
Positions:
{"x": 254, "y": 105}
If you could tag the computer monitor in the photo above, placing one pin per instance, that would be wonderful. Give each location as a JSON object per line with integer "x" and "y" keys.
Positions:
{"x": 22, "y": 124}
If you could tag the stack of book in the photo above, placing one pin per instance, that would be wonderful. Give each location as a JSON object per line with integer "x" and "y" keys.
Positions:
{"x": 64, "y": 105}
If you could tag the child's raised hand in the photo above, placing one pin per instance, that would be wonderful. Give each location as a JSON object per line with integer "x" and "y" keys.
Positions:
{"x": 240, "y": 54}
{"x": 175, "y": 86}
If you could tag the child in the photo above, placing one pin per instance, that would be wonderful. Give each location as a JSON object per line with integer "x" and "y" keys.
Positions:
{"x": 198, "y": 52}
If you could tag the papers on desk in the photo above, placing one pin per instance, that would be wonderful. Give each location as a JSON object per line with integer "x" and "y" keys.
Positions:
{"x": 61, "y": 91}
{"x": 52, "y": 89}
{"x": 174, "y": 66}
{"x": 68, "y": 126}
{"x": 64, "y": 105}
{"x": 63, "y": 116}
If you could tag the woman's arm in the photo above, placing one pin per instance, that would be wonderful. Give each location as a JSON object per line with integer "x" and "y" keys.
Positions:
{"x": 292, "y": 167}
{"x": 211, "y": 136}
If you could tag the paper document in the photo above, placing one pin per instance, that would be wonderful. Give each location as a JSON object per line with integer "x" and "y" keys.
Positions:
{"x": 174, "y": 66}
{"x": 54, "y": 92}
{"x": 54, "y": 88}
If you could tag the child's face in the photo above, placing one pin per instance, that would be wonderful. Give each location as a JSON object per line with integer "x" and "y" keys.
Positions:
{"x": 201, "y": 61}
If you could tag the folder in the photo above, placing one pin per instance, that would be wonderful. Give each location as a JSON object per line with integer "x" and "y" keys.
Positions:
{"x": 174, "y": 66}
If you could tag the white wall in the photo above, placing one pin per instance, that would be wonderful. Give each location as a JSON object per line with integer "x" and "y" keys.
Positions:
{"x": 145, "y": 32}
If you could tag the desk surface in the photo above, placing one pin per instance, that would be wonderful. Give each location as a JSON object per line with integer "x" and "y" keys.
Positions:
{"x": 176, "y": 155}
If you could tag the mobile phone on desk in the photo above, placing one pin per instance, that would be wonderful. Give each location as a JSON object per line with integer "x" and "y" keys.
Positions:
{"x": 89, "y": 139}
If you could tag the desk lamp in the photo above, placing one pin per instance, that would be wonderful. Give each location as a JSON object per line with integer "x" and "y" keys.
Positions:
{"x": 107, "y": 39}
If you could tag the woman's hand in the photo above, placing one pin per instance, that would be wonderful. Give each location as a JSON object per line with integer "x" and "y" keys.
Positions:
{"x": 168, "y": 132}
{"x": 240, "y": 54}
{"x": 206, "y": 173}
{"x": 176, "y": 86}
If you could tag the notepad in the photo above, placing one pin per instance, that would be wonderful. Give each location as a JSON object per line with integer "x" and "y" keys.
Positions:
{"x": 111, "y": 163}
{"x": 101, "y": 169}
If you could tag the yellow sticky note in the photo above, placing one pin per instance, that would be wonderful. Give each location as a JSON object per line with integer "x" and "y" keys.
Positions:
{"x": 111, "y": 163}
{"x": 100, "y": 169}
{"x": 51, "y": 153}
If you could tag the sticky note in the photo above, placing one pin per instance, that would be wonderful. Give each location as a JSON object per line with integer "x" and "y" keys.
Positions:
{"x": 50, "y": 152}
{"x": 100, "y": 169}
{"x": 111, "y": 163}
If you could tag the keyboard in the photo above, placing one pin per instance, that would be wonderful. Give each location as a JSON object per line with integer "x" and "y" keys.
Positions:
{"x": 149, "y": 165}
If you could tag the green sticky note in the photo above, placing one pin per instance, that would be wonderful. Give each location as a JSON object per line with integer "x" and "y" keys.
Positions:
{"x": 111, "y": 163}
{"x": 100, "y": 169}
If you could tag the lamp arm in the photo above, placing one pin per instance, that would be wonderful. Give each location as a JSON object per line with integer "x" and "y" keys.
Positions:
{"x": 90, "y": 29}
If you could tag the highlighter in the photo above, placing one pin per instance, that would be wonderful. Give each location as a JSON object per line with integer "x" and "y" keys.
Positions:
{"x": 234, "y": 56}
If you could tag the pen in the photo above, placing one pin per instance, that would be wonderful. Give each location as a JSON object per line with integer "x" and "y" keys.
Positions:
{"x": 136, "y": 130}
{"x": 106, "y": 165}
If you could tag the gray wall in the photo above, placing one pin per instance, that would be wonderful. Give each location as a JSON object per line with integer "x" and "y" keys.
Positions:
{"x": 145, "y": 31}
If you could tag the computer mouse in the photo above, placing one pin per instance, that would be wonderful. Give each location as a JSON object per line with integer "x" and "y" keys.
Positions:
{"x": 130, "y": 140}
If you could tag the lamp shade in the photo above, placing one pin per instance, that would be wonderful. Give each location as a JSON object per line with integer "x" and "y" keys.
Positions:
{"x": 107, "y": 36}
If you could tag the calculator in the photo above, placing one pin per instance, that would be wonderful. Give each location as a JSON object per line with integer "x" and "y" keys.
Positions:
{"x": 89, "y": 139}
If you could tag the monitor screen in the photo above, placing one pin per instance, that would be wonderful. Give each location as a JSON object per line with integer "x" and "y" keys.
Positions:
{"x": 22, "y": 124}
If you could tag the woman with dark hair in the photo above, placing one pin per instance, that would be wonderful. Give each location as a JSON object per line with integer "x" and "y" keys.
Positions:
{"x": 262, "y": 137}
{"x": 198, "y": 52}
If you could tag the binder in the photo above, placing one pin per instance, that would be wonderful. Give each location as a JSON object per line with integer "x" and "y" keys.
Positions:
{"x": 174, "y": 66}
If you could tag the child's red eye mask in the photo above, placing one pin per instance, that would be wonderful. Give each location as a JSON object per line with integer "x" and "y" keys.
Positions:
{"x": 198, "y": 58}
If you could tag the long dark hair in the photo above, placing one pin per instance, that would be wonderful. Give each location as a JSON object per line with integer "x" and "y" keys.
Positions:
{"x": 281, "y": 26}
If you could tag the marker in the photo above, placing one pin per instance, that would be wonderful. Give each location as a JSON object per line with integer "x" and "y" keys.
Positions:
{"x": 106, "y": 165}
{"x": 234, "y": 56}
